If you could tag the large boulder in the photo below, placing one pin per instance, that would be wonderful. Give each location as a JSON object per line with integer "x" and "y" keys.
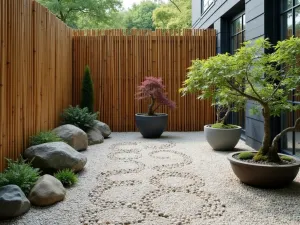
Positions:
{"x": 103, "y": 128}
{"x": 73, "y": 135}
{"x": 13, "y": 202}
{"x": 95, "y": 136}
{"x": 55, "y": 156}
{"x": 47, "y": 191}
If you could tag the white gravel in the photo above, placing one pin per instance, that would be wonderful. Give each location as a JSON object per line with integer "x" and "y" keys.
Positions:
{"x": 177, "y": 179}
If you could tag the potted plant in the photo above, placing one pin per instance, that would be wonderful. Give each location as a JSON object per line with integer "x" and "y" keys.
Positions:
{"x": 151, "y": 124}
{"x": 266, "y": 79}
{"x": 221, "y": 135}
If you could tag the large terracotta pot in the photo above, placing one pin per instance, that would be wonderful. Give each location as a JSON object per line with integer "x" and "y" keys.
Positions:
{"x": 265, "y": 176}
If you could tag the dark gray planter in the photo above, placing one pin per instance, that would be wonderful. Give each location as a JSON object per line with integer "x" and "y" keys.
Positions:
{"x": 222, "y": 139}
{"x": 151, "y": 126}
{"x": 265, "y": 176}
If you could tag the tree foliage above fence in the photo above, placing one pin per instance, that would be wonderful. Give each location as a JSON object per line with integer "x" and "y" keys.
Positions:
{"x": 177, "y": 14}
{"x": 109, "y": 14}
{"x": 78, "y": 12}
{"x": 140, "y": 16}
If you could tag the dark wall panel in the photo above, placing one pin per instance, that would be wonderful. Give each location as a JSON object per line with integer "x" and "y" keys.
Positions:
{"x": 254, "y": 11}
{"x": 219, "y": 9}
{"x": 255, "y": 28}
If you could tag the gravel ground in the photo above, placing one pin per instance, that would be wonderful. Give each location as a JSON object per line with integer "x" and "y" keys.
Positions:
{"x": 177, "y": 179}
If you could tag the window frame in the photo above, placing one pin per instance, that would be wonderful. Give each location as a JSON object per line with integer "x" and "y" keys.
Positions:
{"x": 232, "y": 35}
{"x": 203, "y": 11}
{"x": 292, "y": 9}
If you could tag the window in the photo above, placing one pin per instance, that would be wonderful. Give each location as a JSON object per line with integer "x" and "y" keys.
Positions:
{"x": 205, "y": 5}
{"x": 290, "y": 26}
{"x": 237, "y": 36}
{"x": 290, "y": 18}
{"x": 238, "y": 26}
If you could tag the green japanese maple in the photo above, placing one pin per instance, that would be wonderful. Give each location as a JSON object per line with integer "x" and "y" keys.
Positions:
{"x": 252, "y": 74}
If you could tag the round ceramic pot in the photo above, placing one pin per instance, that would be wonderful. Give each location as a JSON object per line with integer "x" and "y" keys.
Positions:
{"x": 151, "y": 126}
{"x": 222, "y": 139}
{"x": 263, "y": 175}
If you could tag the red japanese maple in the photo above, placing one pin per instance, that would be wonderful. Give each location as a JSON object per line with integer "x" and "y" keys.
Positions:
{"x": 154, "y": 89}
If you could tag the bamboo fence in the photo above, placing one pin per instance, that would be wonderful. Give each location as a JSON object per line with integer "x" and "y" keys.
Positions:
{"x": 35, "y": 73}
{"x": 119, "y": 61}
{"x": 42, "y": 63}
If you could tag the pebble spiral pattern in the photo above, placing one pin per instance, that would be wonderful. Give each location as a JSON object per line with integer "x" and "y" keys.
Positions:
{"x": 110, "y": 209}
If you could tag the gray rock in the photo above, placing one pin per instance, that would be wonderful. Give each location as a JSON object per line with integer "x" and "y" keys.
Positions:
{"x": 13, "y": 202}
{"x": 95, "y": 136}
{"x": 47, "y": 191}
{"x": 103, "y": 128}
{"x": 55, "y": 156}
{"x": 73, "y": 135}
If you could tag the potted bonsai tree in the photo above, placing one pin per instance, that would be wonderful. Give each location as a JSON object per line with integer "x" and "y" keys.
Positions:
{"x": 221, "y": 135}
{"x": 151, "y": 124}
{"x": 266, "y": 79}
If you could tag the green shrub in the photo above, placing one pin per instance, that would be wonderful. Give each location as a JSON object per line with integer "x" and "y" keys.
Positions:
{"x": 67, "y": 177}
{"x": 224, "y": 126}
{"x": 44, "y": 137}
{"x": 78, "y": 117}
{"x": 246, "y": 155}
{"x": 87, "y": 91}
{"x": 286, "y": 158}
{"x": 21, "y": 174}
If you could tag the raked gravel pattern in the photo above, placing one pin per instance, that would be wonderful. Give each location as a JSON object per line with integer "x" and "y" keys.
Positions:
{"x": 175, "y": 180}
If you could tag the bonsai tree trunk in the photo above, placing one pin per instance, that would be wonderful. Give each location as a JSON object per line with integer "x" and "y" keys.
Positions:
{"x": 150, "y": 106}
{"x": 267, "y": 136}
{"x": 224, "y": 118}
{"x": 266, "y": 149}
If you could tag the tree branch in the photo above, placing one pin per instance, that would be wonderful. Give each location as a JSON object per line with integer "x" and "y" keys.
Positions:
{"x": 277, "y": 88}
{"x": 62, "y": 17}
{"x": 72, "y": 9}
{"x": 247, "y": 77}
{"x": 218, "y": 114}
{"x": 226, "y": 114}
{"x": 175, "y": 5}
{"x": 243, "y": 93}
{"x": 251, "y": 85}
{"x": 156, "y": 107}
{"x": 278, "y": 136}
{"x": 220, "y": 109}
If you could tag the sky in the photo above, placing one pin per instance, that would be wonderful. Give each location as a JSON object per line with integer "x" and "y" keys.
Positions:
{"x": 128, "y": 3}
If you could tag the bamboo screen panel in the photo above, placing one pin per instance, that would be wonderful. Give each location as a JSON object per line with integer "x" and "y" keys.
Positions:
{"x": 35, "y": 73}
{"x": 119, "y": 61}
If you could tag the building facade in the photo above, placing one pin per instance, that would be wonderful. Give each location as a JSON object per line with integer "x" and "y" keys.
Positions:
{"x": 237, "y": 21}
